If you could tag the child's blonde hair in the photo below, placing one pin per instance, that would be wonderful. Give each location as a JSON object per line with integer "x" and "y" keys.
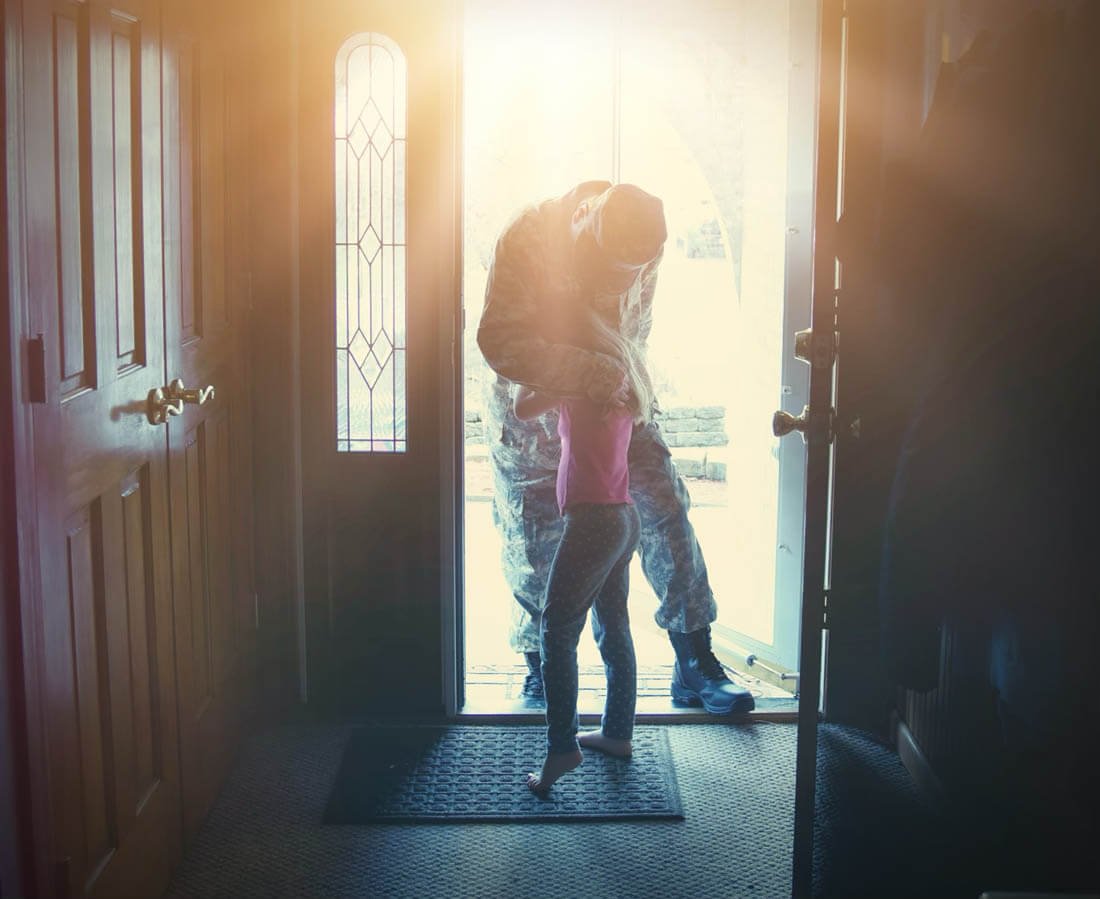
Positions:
{"x": 628, "y": 352}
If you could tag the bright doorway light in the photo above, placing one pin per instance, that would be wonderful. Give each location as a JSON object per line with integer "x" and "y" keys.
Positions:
{"x": 690, "y": 103}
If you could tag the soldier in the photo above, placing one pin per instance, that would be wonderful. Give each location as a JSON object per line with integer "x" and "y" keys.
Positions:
{"x": 596, "y": 247}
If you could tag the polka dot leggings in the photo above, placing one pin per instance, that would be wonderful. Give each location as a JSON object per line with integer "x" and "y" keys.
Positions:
{"x": 591, "y": 570}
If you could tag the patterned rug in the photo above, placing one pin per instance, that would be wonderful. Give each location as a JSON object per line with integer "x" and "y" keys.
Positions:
{"x": 465, "y": 773}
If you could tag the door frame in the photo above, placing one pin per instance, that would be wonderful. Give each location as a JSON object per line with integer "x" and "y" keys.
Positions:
{"x": 452, "y": 415}
{"x": 828, "y": 152}
{"x": 798, "y": 279}
{"x": 832, "y": 25}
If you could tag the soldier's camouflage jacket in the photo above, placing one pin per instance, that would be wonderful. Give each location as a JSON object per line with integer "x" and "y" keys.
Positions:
{"x": 529, "y": 334}
{"x": 529, "y": 330}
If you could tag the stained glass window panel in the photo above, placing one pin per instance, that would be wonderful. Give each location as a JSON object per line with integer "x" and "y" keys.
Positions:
{"x": 369, "y": 120}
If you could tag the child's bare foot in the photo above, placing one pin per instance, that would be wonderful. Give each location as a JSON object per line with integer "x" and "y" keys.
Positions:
{"x": 556, "y": 764}
{"x": 594, "y": 739}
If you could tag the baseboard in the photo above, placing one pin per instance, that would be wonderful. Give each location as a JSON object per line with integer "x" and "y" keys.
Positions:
{"x": 917, "y": 764}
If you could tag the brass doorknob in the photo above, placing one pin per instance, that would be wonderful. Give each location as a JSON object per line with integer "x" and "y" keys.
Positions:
{"x": 197, "y": 395}
{"x": 159, "y": 406}
{"x": 783, "y": 422}
{"x": 816, "y": 428}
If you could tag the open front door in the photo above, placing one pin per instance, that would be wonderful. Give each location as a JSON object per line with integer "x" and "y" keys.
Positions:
{"x": 818, "y": 347}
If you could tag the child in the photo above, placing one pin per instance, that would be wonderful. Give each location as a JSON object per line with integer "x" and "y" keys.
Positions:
{"x": 592, "y": 562}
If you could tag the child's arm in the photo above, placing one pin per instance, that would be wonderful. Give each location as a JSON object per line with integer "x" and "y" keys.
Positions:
{"x": 529, "y": 403}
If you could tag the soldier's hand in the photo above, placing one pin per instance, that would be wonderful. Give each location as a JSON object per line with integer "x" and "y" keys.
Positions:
{"x": 622, "y": 395}
{"x": 607, "y": 384}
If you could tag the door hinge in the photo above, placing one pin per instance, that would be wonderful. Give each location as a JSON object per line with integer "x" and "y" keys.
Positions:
{"x": 36, "y": 369}
{"x": 256, "y": 609}
{"x": 824, "y": 610}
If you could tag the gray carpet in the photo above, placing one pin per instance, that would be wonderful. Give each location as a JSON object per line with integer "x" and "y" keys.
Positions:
{"x": 264, "y": 836}
{"x": 874, "y": 833}
{"x": 395, "y": 773}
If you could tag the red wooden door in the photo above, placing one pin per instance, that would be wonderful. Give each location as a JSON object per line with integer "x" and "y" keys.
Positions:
{"x": 91, "y": 94}
{"x": 210, "y": 453}
{"x": 132, "y": 254}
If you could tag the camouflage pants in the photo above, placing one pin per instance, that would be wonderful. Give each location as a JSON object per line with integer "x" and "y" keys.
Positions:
{"x": 526, "y": 513}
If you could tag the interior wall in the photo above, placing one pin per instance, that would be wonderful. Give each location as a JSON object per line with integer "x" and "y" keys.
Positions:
{"x": 275, "y": 355}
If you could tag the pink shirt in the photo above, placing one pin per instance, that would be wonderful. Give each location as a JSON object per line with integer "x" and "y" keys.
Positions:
{"x": 593, "y": 466}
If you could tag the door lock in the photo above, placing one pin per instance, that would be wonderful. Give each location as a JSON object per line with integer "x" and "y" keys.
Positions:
{"x": 164, "y": 402}
{"x": 200, "y": 396}
{"x": 159, "y": 406}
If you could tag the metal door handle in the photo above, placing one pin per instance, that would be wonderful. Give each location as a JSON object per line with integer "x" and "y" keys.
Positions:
{"x": 783, "y": 422}
{"x": 815, "y": 427}
{"x": 159, "y": 406}
{"x": 197, "y": 395}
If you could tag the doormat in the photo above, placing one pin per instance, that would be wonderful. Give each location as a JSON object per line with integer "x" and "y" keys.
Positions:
{"x": 463, "y": 773}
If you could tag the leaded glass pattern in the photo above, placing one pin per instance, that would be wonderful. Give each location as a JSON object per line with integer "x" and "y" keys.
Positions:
{"x": 371, "y": 351}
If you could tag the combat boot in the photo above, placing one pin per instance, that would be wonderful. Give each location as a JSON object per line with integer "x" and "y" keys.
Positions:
{"x": 698, "y": 678}
{"x": 533, "y": 693}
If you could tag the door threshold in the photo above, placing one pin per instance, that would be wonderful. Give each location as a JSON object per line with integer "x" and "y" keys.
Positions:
{"x": 493, "y": 696}
{"x": 671, "y": 716}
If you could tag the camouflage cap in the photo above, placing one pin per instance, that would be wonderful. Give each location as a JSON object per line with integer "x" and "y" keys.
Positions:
{"x": 629, "y": 225}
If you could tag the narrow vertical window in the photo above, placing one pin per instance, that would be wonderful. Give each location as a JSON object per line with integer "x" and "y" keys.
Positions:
{"x": 370, "y": 131}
